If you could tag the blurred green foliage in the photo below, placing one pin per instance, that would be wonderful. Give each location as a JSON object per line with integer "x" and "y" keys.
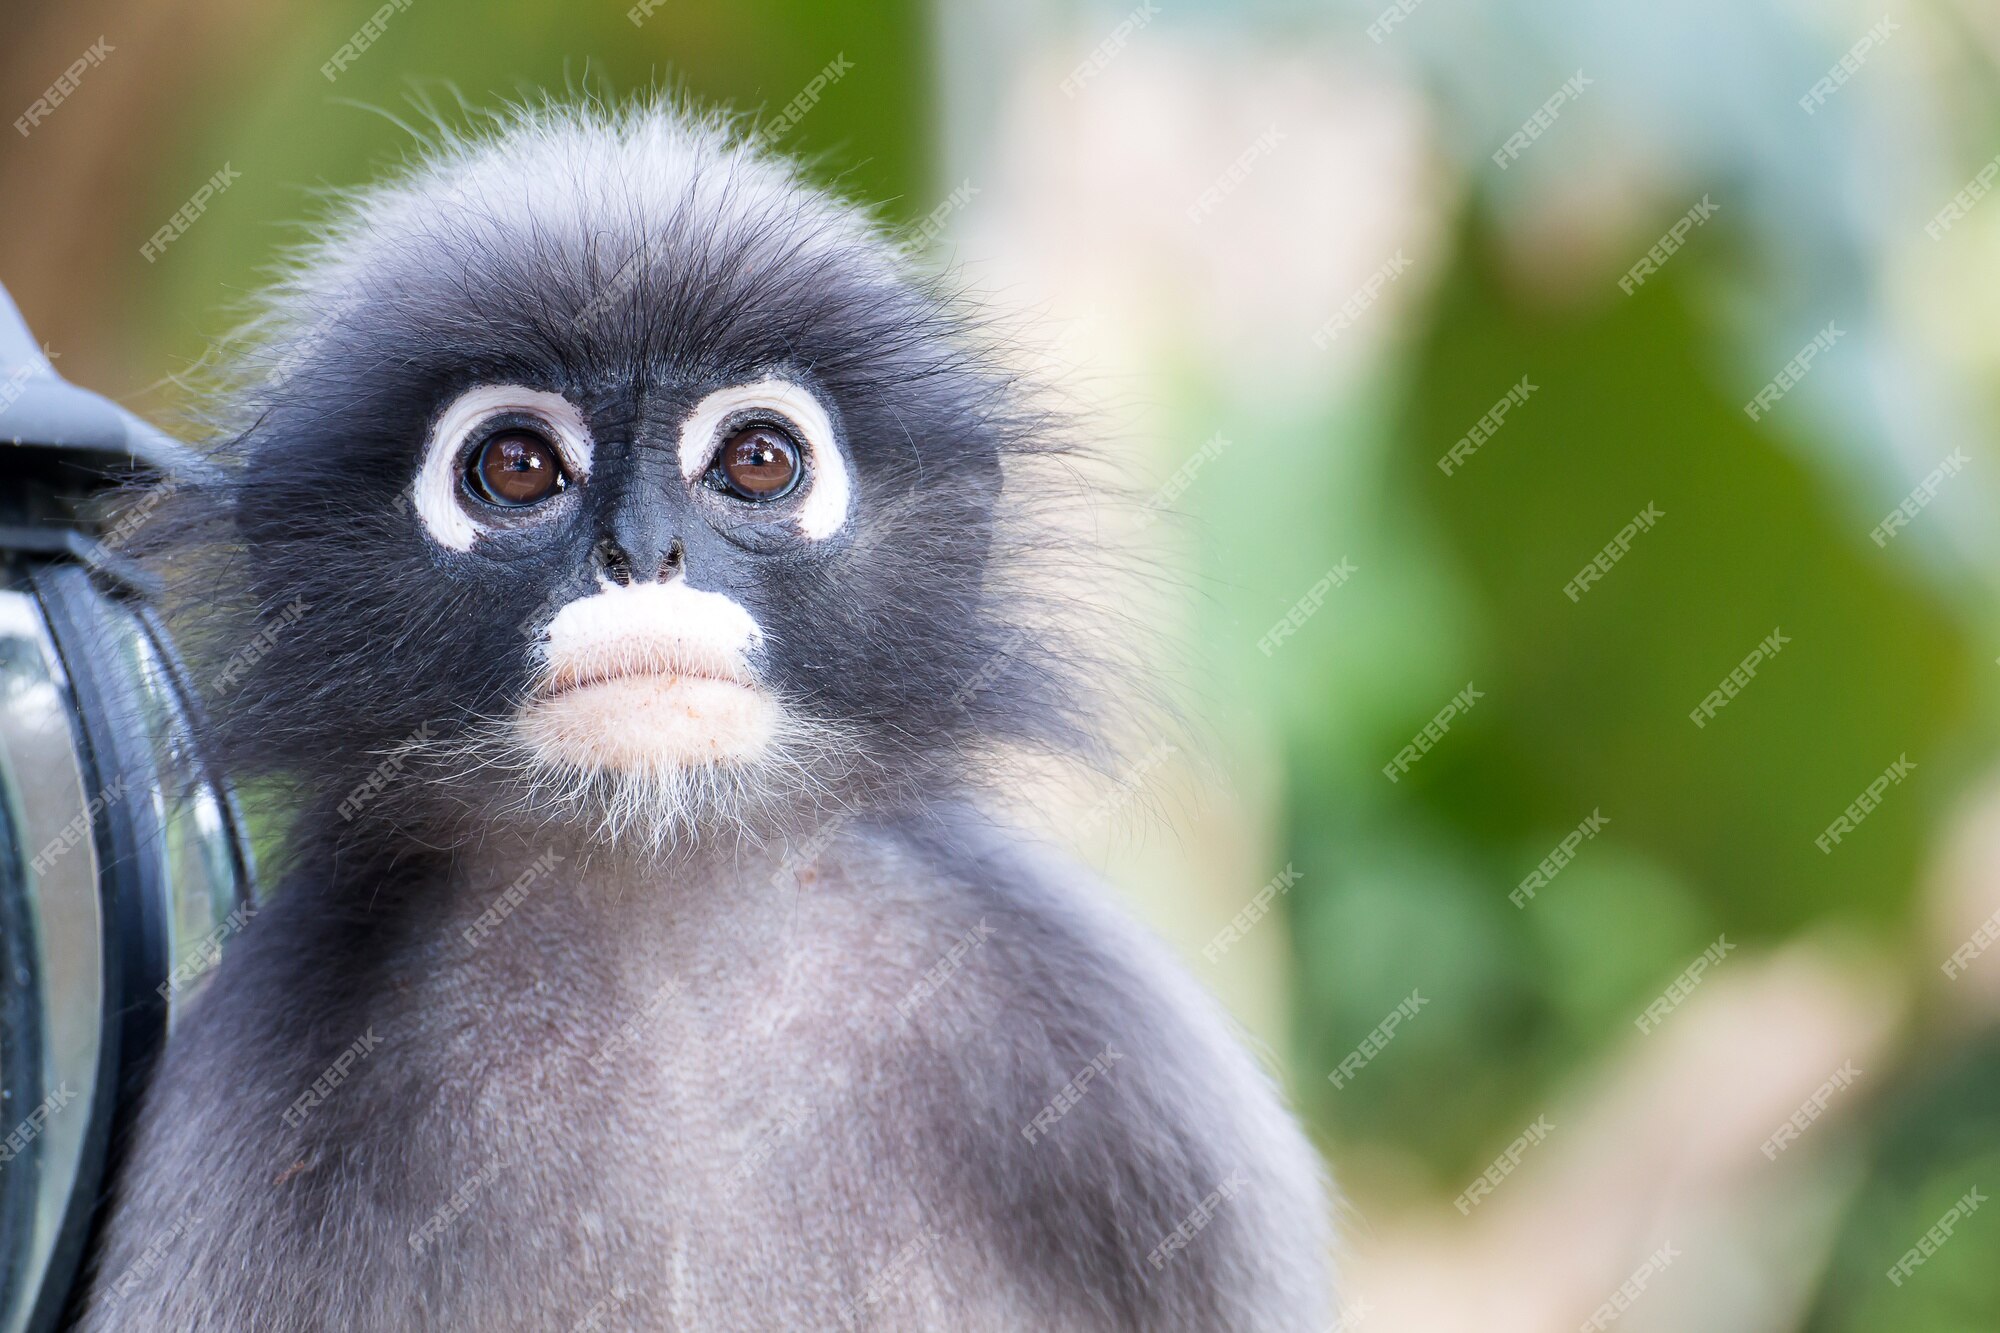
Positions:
{"x": 1711, "y": 830}
{"x": 1585, "y": 704}
{"x": 1936, "y": 1140}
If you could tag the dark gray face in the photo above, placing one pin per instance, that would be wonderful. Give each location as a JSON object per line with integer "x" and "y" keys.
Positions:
{"x": 707, "y": 408}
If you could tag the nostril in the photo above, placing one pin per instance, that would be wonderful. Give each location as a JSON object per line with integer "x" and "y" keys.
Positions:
{"x": 616, "y": 564}
{"x": 672, "y": 563}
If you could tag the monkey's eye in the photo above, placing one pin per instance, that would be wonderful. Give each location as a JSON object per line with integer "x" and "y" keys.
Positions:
{"x": 756, "y": 463}
{"x": 514, "y": 469}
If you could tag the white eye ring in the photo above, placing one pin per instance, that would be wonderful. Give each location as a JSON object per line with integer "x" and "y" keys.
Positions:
{"x": 824, "y": 508}
{"x": 436, "y": 490}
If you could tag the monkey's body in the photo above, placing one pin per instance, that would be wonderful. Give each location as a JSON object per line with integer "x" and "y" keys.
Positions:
{"x": 654, "y": 517}
{"x": 614, "y": 1100}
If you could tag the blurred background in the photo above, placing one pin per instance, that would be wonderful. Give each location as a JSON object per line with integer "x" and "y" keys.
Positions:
{"x": 1569, "y": 423}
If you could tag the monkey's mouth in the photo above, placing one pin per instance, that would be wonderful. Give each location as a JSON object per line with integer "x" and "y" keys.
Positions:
{"x": 646, "y": 678}
{"x": 672, "y": 667}
{"x": 644, "y": 720}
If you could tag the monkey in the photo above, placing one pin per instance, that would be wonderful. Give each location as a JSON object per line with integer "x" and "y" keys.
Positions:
{"x": 645, "y": 550}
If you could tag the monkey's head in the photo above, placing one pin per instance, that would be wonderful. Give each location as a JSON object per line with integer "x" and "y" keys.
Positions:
{"x": 601, "y": 469}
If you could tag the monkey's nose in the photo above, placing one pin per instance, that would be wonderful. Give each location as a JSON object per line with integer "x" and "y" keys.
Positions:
{"x": 617, "y": 564}
{"x": 640, "y": 531}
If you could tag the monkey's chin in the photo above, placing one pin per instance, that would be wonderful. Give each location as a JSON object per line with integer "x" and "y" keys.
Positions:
{"x": 642, "y": 724}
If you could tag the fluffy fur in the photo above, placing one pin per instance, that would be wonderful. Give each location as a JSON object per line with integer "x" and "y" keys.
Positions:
{"x": 527, "y": 1042}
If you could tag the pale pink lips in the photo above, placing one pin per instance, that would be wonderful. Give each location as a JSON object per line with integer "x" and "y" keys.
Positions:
{"x": 647, "y": 722}
{"x": 665, "y": 668}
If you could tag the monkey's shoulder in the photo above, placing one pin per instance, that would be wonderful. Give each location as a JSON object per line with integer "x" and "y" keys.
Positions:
{"x": 1058, "y": 1064}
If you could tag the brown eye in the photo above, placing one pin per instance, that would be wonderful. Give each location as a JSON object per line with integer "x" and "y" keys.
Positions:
{"x": 514, "y": 469}
{"x": 757, "y": 463}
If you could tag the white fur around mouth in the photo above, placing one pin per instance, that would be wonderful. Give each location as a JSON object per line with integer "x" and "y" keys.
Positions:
{"x": 648, "y": 677}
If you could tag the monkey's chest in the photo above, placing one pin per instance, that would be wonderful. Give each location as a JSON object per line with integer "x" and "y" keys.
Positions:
{"x": 747, "y": 1139}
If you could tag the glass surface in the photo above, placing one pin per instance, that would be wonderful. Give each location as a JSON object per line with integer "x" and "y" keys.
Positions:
{"x": 209, "y": 898}
{"x": 150, "y": 780}
{"x": 55, "y": 982}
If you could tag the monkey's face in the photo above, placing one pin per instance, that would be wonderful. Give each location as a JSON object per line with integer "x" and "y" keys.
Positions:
{"x": 657, "y": 498}
{"x": 651, "y": 523}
